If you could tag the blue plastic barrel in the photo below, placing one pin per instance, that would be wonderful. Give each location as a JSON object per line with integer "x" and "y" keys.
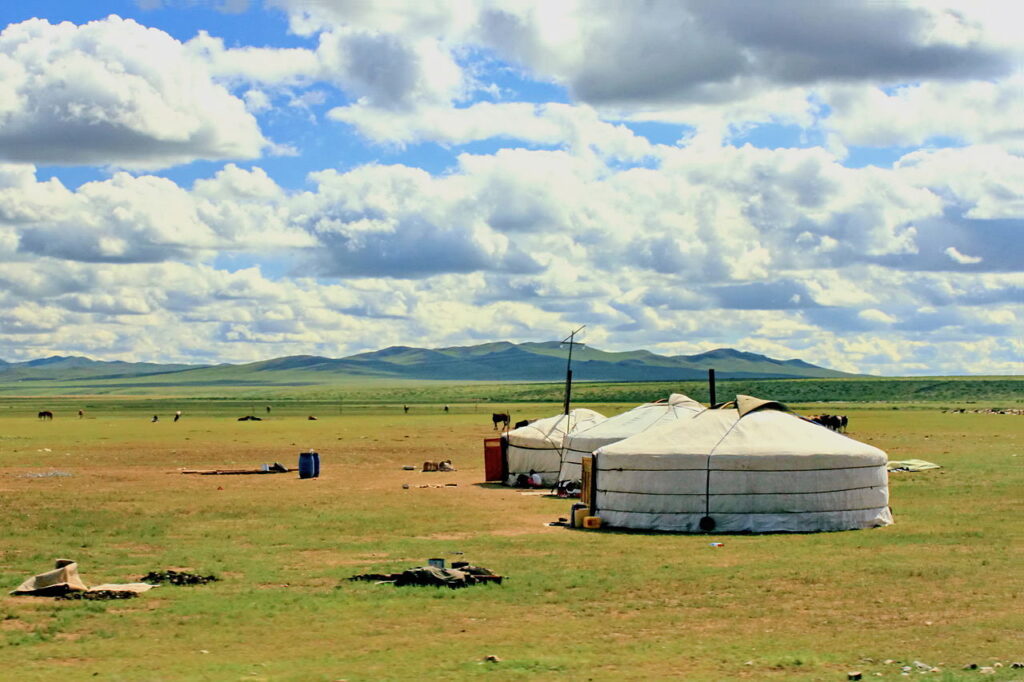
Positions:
{"x": 309, "y": 464}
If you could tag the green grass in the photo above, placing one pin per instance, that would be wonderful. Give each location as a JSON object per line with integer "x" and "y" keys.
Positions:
{"x": 1005, "y": 391}
{"x": 943, "y": 585}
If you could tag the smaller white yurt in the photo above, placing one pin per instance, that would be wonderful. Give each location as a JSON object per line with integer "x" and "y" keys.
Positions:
{"x": 583, "y": 442}
{"x": 753, "y": 468}
{"x": 538, "y": 446}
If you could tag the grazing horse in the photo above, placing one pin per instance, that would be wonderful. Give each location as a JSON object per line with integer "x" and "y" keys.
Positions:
{"x": 46, "y": 414}
{"x": 500, "y": 418}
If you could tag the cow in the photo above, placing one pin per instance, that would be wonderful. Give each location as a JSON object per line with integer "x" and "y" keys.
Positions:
{"x": 46, "y": 415}
{"x": 833, "y": 422}
{"x": 311, "y": 418}
{"x": 500, "y": 418}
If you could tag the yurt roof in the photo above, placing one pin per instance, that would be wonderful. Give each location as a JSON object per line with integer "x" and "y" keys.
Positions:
{"x": 755, "y": 427}
{"x": 635, "y": 420}
{"x": 554, "y": 428}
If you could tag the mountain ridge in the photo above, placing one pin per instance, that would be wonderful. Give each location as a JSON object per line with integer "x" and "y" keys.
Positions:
{"x": 491, "y": 361}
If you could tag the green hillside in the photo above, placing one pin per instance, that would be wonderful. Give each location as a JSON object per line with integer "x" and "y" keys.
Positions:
{"x": 497, "y": 361}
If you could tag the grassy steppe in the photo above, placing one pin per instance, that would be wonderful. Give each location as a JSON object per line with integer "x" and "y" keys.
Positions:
{"x": 283, "y": 386}
{"x": 943, "y": 585}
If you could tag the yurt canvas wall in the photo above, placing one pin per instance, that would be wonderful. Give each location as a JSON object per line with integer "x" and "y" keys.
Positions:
{"x": 584, "y": 441}
{"x": 754, "y": 468}
{"x": 538, "y": 446}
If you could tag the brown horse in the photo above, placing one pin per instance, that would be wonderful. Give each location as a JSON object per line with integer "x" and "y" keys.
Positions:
{"x": 46, "y": 414}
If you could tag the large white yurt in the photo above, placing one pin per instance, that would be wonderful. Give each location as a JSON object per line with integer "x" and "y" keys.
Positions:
{"x": 755, "y": 467}
{"x": 583, "y": 442}
{"x": 538, "y": 446}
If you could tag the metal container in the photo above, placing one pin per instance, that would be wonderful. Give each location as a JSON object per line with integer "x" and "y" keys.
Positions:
{"x": 309, "y": 464}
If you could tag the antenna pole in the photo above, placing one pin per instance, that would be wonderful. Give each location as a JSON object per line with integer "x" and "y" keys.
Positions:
{"x": 571, "y": 339}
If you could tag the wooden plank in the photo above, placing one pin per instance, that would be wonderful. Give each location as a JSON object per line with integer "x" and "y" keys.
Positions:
{"x": 587, "y": 480}
{"x": 232, "y": 472}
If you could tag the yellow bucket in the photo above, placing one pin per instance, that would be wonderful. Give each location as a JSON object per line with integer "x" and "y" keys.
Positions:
{"x": 591, "y": 521}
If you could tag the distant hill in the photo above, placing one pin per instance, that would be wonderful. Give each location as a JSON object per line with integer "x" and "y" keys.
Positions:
{"x": 498, "y": 361}
{"x": 60, "y": 367}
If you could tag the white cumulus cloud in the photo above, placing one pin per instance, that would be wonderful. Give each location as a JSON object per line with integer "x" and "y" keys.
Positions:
{"x": 113, "y": 92}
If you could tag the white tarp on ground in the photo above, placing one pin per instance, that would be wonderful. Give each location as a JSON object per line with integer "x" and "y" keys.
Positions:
{"x": 753, "y": 469}
{"x": 64, "y": 578}
{"x": 614, "y": 429}
{"x": 538, "y": 446}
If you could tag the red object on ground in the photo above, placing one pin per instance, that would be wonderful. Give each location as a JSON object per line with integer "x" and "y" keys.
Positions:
{"x": 494, "y": 459}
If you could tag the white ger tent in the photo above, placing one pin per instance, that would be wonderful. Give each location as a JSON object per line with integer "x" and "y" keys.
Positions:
{"x": 753, "y": 468}
{"x": 583, "y": 442}
{"x": 538, "y": 446}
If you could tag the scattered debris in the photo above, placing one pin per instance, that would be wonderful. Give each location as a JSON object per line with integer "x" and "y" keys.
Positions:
{"x": 443, "y": 465}
{"x": 492, "y": 659}
{"x": 99, "y": 595}
{"x": 910, "y": 465}
{"x": 854, "y": 675}
{"x": 178, "y": 578}
{"x": 64, "y": 581}
{"x": 275, "y": 468}
{"x": 461, "y": 574}
{"x": 249, "y": 418}
{"x": 409, "y": 467}
{"x": 47, "y": 474}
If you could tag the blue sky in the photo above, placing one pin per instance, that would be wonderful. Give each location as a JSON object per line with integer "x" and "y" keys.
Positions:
{"x": 232, "y": 180}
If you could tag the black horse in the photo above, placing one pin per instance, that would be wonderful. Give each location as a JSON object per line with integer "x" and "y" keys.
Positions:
{"x": 46, "y": 414}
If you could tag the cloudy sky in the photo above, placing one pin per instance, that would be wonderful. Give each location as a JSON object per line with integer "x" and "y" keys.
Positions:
{"x": 232, "y": 180}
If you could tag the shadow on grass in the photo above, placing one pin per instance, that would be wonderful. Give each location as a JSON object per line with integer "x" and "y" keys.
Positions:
{"x": 491, "y": 485}
{"x": 615, "y": 530}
